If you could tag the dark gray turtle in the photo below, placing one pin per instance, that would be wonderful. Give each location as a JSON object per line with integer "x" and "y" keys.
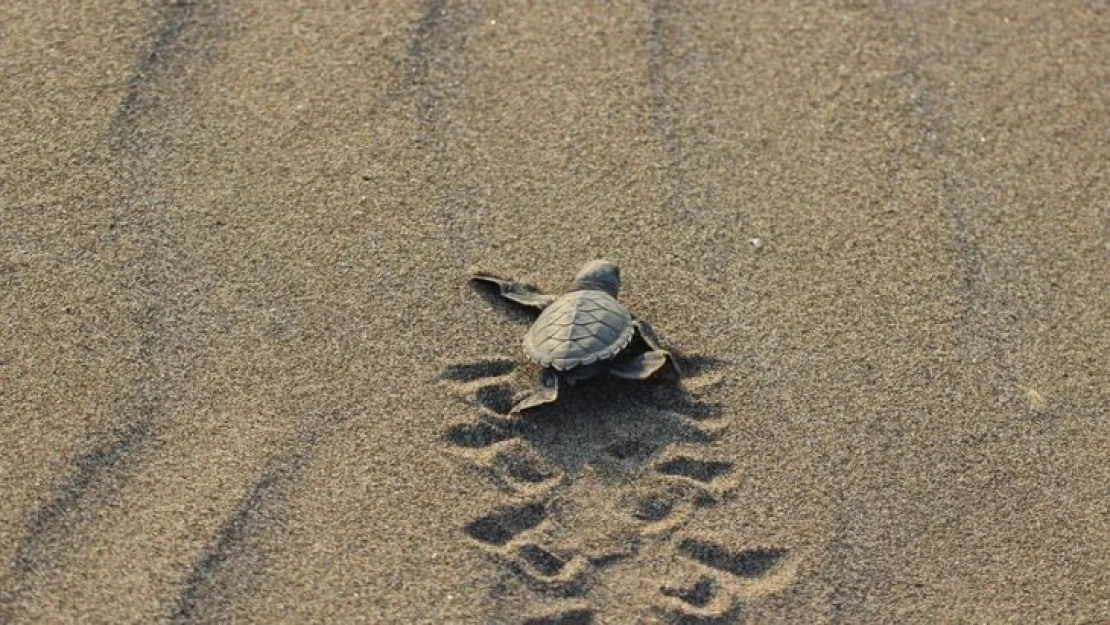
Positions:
{"x": 583, "y": 332}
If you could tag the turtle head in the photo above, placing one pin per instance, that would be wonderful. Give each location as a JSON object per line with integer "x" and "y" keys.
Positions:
{"x": 598, "y": 275}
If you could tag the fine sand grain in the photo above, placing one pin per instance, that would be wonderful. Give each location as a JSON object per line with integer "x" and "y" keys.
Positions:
{"x": 242, "y": 377}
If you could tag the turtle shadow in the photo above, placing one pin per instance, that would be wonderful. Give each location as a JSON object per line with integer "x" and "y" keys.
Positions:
{"x": 615, "y": 427}
{"x": 609, "y": 425}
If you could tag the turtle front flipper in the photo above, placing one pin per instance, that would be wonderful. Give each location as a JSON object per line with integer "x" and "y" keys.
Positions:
{"x": 545, "y": 393}
{"x": 644, "y": 329}
{"x": 515, "y": 291}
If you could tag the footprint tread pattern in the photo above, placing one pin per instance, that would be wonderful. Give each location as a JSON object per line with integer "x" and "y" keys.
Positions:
{"x": 552, "y": 467}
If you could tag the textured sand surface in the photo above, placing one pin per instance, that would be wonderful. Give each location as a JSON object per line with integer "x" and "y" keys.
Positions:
{"x": 242, "y": 377}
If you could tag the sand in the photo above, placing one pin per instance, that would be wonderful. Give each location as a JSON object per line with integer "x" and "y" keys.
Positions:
{"x": 242, "y": 376}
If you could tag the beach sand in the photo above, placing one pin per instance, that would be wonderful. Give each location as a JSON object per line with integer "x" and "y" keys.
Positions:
{"x": 243, "y": 377}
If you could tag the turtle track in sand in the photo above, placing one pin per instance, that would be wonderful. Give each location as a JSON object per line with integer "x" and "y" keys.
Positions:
{"x": 604, "y": 484}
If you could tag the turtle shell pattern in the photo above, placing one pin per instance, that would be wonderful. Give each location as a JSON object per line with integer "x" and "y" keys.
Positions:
{"x": 579, "y": 328}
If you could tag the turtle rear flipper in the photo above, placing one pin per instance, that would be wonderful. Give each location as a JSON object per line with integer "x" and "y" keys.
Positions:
{"x": 640, "y": 367}
{"x": 545, "y": 393}
{"x": 515, "y": 291}
{"x": 644, "y": 329}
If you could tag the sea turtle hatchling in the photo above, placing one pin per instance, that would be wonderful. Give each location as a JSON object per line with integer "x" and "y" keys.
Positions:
{"x": 583, "y": 332}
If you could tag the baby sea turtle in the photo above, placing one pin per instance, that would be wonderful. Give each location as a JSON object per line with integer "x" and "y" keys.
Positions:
{"x": 583, "y": 332}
